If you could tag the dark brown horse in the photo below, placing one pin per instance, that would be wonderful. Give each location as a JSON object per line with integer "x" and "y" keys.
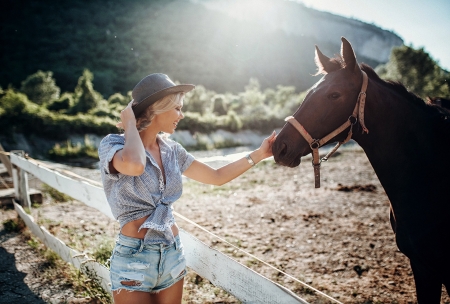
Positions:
{"x": 407, "y": 142}
{"x": 439, "y": 101}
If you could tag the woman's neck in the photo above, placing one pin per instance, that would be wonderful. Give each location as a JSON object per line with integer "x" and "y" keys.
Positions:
{"x": 149, "y": 138}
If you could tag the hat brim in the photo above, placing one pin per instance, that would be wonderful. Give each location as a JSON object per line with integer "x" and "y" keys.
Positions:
{"x": 151, "y": 99}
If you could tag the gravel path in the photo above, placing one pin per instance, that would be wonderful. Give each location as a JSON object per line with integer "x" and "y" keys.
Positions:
{"x": 336, "y": 238}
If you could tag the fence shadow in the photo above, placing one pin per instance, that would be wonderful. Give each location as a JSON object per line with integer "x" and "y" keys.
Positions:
{"x": 12, "y": 286}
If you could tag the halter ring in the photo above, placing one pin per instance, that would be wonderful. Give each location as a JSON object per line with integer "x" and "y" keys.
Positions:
{"x": 315, "y": 144}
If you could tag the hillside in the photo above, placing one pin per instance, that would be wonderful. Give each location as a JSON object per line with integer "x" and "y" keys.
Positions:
{"x": 213, "y": 43}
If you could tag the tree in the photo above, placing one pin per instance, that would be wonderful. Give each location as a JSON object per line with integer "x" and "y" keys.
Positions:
{"x": 219, "y": 107}
{"x": 85, "y": 97}
{"x": 40, "y": 87}
{"x": 61, "y": 104}
{"x": 417, "y": 71}
{"x": 198, "y": 100}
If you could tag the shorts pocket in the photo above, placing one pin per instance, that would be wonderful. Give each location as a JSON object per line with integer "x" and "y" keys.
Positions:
{"x": 125, "y": 251}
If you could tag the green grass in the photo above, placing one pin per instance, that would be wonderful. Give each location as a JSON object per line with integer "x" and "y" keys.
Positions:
{"x": 55, "y": 269}
{"x": 14, "y": 225}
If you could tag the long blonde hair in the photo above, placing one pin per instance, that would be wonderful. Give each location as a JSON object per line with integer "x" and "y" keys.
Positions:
{"x": 165, "y": 104}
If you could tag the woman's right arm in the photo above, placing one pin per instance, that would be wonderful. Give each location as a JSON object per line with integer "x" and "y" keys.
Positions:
{"x": 131, "y": 159}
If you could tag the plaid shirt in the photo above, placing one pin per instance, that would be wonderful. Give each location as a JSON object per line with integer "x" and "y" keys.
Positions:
{"x": 135, "y": 197}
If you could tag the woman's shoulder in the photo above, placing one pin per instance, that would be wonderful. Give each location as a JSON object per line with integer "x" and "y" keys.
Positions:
{"x": 169, "y": 142}
{"x": 112, "y": 139}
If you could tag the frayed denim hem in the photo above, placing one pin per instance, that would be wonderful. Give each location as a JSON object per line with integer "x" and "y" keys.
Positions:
{"x": 180, "y": 277}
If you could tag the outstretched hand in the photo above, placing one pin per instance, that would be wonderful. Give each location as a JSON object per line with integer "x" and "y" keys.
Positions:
{"x": 127, "y": 117}
{"x": 266, "y": 146}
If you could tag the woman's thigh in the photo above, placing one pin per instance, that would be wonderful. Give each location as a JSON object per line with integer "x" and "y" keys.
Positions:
{"x": 124, "y": 296}
{"x": 171, "y": 295}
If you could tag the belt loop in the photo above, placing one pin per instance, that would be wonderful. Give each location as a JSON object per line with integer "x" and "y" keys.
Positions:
{"x": 177, "y": 246}
{"x": 141, "y": 247}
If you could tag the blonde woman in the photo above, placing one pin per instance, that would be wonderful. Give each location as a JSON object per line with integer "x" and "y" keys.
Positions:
{"x": 141, "y": 173}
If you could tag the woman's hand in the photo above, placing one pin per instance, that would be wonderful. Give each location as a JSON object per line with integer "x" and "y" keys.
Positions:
{"x": 265, "y": 150}
{"x": 127, "y": 117}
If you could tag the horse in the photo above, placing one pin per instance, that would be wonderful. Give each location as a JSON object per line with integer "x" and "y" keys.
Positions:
{"x": 407, "y": 142}
{"x": 439, "y": 101}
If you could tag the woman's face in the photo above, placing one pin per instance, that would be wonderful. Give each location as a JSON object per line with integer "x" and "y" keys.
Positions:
{"x": 167, "y": 122}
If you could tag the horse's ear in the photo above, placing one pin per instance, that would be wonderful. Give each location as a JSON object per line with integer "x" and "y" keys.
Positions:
{"x": 348, "y": 55}
{"x": 323, "y": 62}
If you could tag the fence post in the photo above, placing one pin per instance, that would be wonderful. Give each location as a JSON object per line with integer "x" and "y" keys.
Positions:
{"x": 5, "y": 160}
{"x": 20, "y": 179}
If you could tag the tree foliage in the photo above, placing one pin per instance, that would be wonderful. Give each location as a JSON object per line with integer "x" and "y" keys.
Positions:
{"x": 85, "y": 97}
{"x": 40, "y": 87}
{"x": 122, "y": 41}
{"x": 85, "y": 111}
{"x": 417, "y": 71}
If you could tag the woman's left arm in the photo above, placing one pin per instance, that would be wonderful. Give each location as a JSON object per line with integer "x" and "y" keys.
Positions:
{"x": 205, "y": 174}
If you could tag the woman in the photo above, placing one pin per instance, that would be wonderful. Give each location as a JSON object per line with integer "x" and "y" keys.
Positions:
{"x": 141, "y": 173}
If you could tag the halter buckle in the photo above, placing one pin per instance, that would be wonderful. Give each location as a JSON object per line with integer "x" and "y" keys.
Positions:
{"x": 352, "y": 119}
{"x": 315, "y": 144}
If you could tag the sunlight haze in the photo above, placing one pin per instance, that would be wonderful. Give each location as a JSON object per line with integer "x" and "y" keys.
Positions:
{"x": 419, "y": 23}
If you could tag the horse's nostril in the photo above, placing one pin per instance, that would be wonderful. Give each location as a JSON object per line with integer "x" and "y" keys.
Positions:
{"x": 283, "y": 150}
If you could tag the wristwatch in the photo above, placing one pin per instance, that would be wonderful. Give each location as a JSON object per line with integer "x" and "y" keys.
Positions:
{"x": 250, "y": 160}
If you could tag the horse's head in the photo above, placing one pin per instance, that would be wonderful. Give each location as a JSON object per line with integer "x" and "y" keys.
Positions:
{"x": 328, "y": 104}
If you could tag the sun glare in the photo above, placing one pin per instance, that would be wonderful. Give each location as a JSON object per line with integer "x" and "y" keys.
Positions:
{"x": 247, "y": 9}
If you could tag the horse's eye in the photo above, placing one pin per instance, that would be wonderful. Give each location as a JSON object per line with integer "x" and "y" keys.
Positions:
{"x": 334, "y": 95}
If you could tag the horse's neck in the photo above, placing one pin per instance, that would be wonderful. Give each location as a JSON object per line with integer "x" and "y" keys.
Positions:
{"x": 402, "y": 148}
{"x": 395, "y": 126}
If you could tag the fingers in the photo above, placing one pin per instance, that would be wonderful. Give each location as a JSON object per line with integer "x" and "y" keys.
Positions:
{"x": 272, "y": 137}
{"x": 126, "y": 115}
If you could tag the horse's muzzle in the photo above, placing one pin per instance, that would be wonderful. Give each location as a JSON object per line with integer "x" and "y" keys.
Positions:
{"x": 283, "y": 156}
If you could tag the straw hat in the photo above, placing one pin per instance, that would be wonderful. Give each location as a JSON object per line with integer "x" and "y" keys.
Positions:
{"x": 154, "y": 87}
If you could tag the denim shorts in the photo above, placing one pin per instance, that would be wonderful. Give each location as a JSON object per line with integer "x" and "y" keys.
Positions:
{"x": 149, "y": 268}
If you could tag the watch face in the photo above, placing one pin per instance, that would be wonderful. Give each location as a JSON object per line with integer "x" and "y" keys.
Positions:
{"x": 249, "y": 159}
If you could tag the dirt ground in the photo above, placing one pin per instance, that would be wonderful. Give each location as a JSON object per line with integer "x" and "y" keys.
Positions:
{"x": 336, "y": 239}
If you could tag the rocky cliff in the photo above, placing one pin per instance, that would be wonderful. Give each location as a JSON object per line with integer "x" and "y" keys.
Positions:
{"x": 296, "y": 19}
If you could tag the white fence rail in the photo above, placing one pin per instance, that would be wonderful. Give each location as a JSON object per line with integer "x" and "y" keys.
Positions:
{"x": 245, "y": 284}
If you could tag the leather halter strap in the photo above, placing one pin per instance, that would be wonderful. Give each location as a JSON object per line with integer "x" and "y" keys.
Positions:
{"x": 315, "y": 144}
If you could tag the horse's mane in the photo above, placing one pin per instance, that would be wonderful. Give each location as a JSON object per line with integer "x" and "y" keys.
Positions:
{"x": 396, "y": 86}
{"x": 436, "y": 113}
{"x": 338, "y": 63}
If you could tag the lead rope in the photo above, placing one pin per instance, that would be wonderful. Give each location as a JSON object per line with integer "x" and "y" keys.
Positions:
{"x": 315, "y": 144}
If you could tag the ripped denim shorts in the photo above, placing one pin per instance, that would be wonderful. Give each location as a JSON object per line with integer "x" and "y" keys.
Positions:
{"x": 149, "y": 268}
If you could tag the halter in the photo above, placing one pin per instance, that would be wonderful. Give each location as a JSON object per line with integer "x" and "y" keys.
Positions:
{"x": 315, "y": 144}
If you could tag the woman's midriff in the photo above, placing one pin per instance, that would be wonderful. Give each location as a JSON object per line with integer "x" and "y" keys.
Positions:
{"x": 131, "y": 229}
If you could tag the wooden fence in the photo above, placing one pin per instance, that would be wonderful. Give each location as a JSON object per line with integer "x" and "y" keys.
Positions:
{"x": 245, "y": 284}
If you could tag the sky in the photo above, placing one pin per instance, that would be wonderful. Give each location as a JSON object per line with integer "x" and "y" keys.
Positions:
{"x": 420, "y": 23}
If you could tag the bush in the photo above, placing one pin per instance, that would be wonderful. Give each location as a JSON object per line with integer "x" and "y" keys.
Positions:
{"x": 195, "y": 122}
{"x": 40, "y": 87}
{"x": 61, "y": 152}
{"x": 62, "y": 104}
{"x": 20, "y": 115}
{"x": 86, "y": 98}
{"x": 119, "y": 99}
